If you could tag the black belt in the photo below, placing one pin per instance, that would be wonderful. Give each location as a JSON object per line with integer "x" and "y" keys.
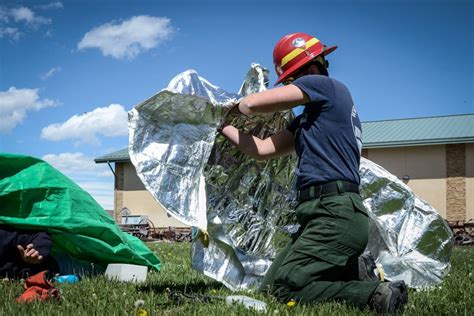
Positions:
{"x": 315, "y": 192}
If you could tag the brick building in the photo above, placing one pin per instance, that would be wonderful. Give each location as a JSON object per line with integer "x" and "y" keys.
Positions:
{"x": 432, "y": 155}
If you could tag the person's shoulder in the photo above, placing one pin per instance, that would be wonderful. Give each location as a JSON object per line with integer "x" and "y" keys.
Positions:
{"x": 338, "y": 84}
{"x": 320, "y": 80}
{"x": 313, "y": 81}
{"x": 336, "y": 80}
{"x": 317, "y": 78}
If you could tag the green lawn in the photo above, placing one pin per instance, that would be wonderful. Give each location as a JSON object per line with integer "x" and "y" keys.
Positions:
{"x": 98, "y": 296}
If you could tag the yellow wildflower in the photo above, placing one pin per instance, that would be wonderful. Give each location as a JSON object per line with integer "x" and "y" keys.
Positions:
{"x": 142, "y": 312}
{"x": 291, "y": 303}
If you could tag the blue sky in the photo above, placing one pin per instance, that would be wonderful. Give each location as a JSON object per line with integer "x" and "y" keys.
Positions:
{"x": 70, "y": 70}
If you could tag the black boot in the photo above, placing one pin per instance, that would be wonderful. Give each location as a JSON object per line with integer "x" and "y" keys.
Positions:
{"x": 389, "y": 297}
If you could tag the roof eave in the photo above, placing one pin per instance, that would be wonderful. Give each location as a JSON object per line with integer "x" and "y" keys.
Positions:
{"x": 111, "y": 160}
{"x": 418, "y": 143}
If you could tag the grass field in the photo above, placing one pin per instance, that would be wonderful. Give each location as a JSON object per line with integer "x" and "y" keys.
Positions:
{"x": 98, "y": 296}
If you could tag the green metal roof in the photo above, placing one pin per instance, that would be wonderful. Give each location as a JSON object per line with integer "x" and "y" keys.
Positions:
{"x": 391, "y": 133}
{"x": 117, "y": 156}
{"x": 419, "y": 131}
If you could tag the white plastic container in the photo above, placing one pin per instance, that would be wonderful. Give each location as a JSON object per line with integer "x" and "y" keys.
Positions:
{"x": 126, "y": 272}
{"x": 248, "y": 302}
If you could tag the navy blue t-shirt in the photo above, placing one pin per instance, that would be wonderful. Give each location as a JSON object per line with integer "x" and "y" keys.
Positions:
{"x": 328, "y": 134}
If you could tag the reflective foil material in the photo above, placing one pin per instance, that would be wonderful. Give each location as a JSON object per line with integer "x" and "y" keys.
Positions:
{"x": 170, "y": 139}
{"x": 249, "y": 201}
{"x": 246, "y": 206}
{"x": 407, "y": 235}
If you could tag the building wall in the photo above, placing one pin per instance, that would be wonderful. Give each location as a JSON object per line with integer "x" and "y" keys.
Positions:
{"x": 425, "y": 165}
{"x": 456, "y": 182}
{"x": 118, "y": 191}
{"x": 470, "y": 181}
{"x": 140, "y": 202}
{"x": 434, "y": 171}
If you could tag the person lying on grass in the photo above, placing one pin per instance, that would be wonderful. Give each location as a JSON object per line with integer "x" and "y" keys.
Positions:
{"x": 24, "y": 253}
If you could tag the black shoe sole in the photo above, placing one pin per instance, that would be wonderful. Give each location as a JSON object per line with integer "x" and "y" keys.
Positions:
{"x": 399, "y": 297}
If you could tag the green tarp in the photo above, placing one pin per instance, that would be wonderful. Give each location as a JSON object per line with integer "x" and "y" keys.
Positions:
{"x": 34, "y": 195}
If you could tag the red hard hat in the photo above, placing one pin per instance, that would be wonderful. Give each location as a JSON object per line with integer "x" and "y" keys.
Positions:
{"x": 293, "y": 51}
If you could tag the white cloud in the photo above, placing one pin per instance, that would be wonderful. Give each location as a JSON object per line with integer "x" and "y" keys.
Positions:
{"x": 129, "y": 38}
{"x": 50, "y": 73}
{"x": 11, "y": 32}
{"x": 108, "y": 121}
{"x": 15, "y": 103}
{"x": 96, "y": 179}
{"x": 11, "y": 17}
{"x": 3, "y": 14}
{"x": 77, "y": 164}
{"x": 24, "y": 14}
{"x": 51, "y": 6}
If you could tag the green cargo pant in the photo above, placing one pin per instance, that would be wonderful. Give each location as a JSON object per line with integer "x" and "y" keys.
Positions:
{"x": 320, "y": 264}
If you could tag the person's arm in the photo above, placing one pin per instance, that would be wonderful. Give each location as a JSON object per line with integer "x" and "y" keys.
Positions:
{"x": 279, "y": 144}
{"x": 37, "y": 249}
{"x": 273, "y": 100}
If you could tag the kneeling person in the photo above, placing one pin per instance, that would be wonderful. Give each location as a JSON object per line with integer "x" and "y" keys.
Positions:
{"x": 321, "y": 264}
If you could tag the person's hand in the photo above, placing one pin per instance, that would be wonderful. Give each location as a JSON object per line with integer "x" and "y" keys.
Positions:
{"x": 233, "y": 108}
{"x": 30, "y": 254}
